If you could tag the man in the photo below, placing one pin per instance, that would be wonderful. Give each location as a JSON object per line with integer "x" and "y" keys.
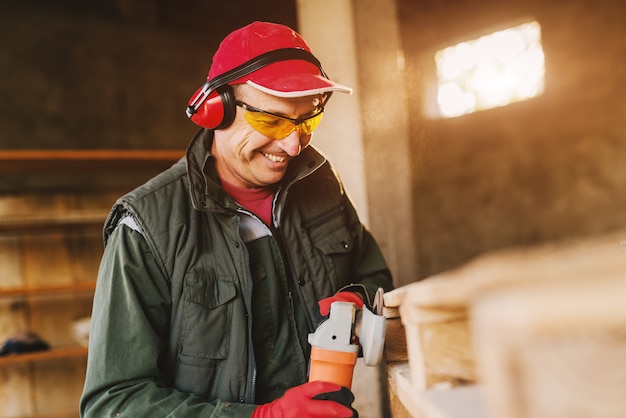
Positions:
{"x": 216, "y": 270}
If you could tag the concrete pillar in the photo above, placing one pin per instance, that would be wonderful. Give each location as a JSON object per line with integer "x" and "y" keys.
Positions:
{"x": 366, "y": 137}
{"x": 328, "y": 28}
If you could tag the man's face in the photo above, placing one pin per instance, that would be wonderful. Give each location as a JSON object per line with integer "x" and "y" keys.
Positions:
{"x": 248, "y": 159}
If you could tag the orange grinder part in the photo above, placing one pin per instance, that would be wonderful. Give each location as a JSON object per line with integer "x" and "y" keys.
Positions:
{"x": 332, "y": 366}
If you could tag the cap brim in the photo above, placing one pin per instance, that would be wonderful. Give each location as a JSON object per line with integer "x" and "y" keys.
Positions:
{"x": 298, "y": 85}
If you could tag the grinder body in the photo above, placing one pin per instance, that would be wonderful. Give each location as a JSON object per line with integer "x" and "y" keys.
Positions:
{"x": 336, "y": 343}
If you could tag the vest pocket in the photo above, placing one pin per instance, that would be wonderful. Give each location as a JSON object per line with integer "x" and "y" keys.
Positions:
{"x": 195, "y": 375}
{"x": 328, "y": 232}
{"x": 207, "y": 316}
{"x": 333, "y": 243}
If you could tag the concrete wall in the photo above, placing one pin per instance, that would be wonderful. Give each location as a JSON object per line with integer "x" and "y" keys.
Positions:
{"x": 546, "y": 169}
{"x": 105, "y": 74}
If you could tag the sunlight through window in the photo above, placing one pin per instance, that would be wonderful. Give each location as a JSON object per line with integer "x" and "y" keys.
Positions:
{"x": 494, "y": 70}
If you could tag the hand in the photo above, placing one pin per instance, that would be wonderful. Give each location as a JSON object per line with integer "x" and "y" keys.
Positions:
{"x": 310, "y": 400}
{"x": 324, "y": 304}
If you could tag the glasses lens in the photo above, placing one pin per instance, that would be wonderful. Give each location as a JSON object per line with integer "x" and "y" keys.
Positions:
{"x": 269, "y": 125}
{"x": 278, "y": 128}
{"x": 308, "y": 126}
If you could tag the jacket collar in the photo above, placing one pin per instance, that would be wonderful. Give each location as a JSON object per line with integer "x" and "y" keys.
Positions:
{"x": 204, "y": 186}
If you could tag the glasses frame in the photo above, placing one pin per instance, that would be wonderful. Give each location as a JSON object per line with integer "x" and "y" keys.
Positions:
{"x": 297, "y": 122}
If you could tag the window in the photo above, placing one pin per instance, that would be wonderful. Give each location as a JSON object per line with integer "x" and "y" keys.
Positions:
{"x": 492, "y": 71}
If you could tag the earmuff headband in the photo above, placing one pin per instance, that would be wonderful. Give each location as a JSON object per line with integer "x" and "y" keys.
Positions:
{"x": 283, "y": 54}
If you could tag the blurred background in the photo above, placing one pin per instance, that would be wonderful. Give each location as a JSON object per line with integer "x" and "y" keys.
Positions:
{"x": 447, "y": 151}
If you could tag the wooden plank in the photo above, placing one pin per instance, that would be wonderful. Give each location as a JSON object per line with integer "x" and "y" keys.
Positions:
{"x": 394, "y": 298}
{"x": 554, "y": 349}
{"x": 454, "y": 402}
{"x": 47, "y": 260}
{"x": 82, "y": 287}
{"x": 57, "y": 353}
{"x": 54, "y": 204}
{"x": 435, "y": 311}
{"x": 447, "y": 351}
{"x": 50, "y": 396}
{"x": 85, "y": 251}
{"x": 52, "y": 318}
{"x": 395, "y": 334}
{"x": 68, "y": 413}
{"x": 395, "y": 341}
{"x": 396, "y": 407}
{"x": 87, "y": 156}
{"x": 439, "y": 345}
{"x": 457, "y": 287}
{"x": 119, "y": 170}
{"x": 459, "y": 402}
{"x": 13, "y": 313}
{"x": 57, "y": 380}
{"x": 15, "y": 391}
{"x": 10, "y": 262}
{"x": 48, "y": 266}
{"x": 404, "y": 397}
{"x": 30, "y": 221}
{"x": 12, "y": 161}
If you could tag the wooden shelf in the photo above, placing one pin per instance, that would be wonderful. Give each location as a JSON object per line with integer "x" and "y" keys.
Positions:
{"x": 53, "y": 206}
{"x": 68, "y": 413}
{"x": 20, "y": 222}
{"x": 13, "y": 161}
{"x": 52, "y": 354}
{"x": 113, "y": 169}
{"x": 47, "y": 290}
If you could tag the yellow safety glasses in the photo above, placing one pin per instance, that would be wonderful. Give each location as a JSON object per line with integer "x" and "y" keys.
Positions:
{"x": 278, "y": 127}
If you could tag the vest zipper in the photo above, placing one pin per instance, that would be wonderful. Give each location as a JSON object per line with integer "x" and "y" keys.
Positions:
{"x": 277, "y": 205}
{"x": 251, "y": 361}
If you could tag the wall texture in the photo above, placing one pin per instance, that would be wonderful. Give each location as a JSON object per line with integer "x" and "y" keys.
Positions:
{"x": 105, "y": 74}
{"x": 546, "y": 169}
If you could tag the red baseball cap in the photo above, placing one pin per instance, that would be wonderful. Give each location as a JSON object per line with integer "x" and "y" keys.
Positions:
{"x": 291, "y": 78}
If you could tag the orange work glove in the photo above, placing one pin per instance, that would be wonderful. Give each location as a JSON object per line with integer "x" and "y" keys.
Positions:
{"x": 324, "y": 304}
{"x": 310, "y": 400}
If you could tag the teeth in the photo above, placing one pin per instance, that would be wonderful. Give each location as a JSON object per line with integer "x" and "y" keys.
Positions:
{"x": 274, "y": 158}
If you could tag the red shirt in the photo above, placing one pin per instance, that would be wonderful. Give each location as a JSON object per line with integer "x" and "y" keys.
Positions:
{"x": 257, "y": 201}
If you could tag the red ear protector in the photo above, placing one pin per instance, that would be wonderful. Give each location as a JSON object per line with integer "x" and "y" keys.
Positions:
{"x": 213, "y": 105}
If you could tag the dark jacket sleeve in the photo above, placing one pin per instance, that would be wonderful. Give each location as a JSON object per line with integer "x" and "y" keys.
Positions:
{"x": 129, "y": 334}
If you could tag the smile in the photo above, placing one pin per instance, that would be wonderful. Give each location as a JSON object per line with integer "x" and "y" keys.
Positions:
{"x": 274, "y": 158}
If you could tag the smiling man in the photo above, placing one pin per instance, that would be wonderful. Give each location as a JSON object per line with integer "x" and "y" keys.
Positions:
{"x": 216, "y": 270}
